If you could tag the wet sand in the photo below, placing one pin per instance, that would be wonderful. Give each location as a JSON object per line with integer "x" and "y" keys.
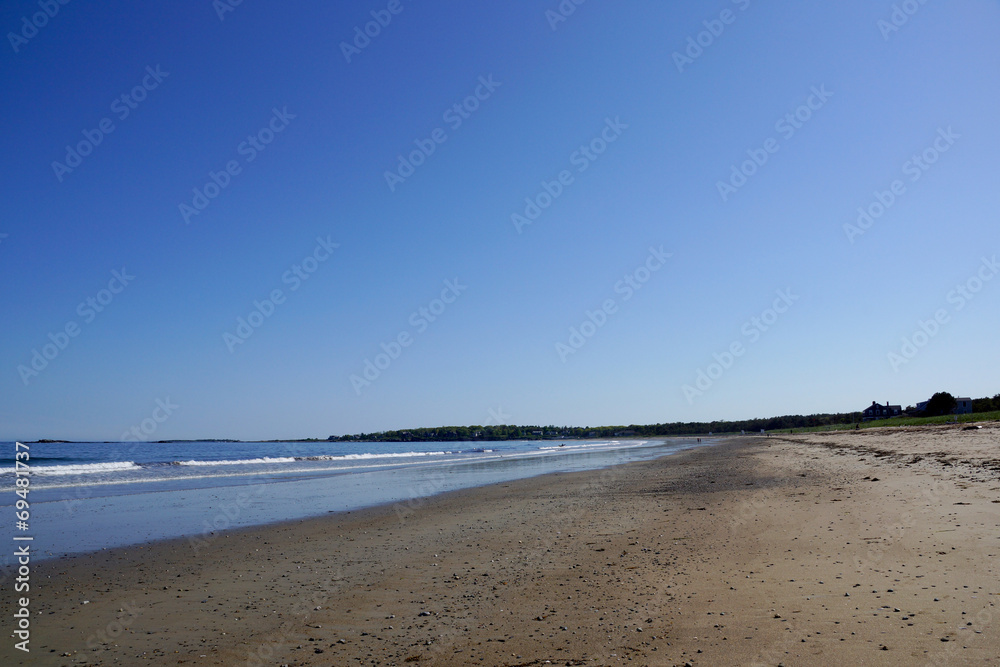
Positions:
{"x": 877, "y": 547}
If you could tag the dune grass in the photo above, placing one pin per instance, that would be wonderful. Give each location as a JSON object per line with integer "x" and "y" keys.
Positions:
{"x": 907, "y": 421}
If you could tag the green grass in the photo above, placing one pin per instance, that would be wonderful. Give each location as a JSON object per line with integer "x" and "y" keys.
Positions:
{"x": 906, "y": 421}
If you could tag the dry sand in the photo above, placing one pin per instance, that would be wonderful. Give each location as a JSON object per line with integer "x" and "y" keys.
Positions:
{"x": 876, "y": 547}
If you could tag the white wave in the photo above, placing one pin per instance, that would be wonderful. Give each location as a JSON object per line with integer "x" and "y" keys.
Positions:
{"x": 589, "y": 445}
{"x": 234, "y": 462}
{"x": 355, "y": 457}
{"x": 85, "y": 468}
{"x": 397, "y": 455}
{"x": 293, "y": 459}
{"x": 612, "y": 445}
{"x": 223, "y": 475}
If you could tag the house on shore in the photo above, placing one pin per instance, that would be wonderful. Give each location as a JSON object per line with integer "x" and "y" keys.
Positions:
{"x": 963, "y": 406}
{"x": 876, "y": 411}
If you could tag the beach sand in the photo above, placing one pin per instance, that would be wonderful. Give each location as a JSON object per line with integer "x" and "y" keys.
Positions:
{"x": 877, "y": 547}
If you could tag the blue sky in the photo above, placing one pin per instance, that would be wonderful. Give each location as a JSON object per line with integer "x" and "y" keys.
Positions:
{"x": 659, "y": 130}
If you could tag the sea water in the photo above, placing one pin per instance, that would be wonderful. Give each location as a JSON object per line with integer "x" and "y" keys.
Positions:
{"x": 91, "y": 496}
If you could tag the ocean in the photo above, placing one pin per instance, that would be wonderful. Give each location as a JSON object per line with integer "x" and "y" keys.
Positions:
{"x": 90, "y": 496}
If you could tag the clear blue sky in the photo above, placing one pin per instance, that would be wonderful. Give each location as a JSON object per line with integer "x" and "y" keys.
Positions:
{"x": 672, "y": 130}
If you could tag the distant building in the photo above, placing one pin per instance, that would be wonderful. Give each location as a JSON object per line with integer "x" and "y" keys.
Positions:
{"x": 876, "y": 411}
{"x": 963, "y": 406}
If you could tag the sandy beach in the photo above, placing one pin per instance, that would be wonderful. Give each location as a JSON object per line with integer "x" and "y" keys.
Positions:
{"x": 876, "y": 547}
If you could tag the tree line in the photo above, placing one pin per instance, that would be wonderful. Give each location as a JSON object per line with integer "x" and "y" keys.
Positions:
{"x": 940, "y": 403}
{"x": 513, "y": 432}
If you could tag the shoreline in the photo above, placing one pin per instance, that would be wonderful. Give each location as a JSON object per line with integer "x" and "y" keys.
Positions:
{"x": 94, "y": 521}
{"x": 752, "y": 551}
